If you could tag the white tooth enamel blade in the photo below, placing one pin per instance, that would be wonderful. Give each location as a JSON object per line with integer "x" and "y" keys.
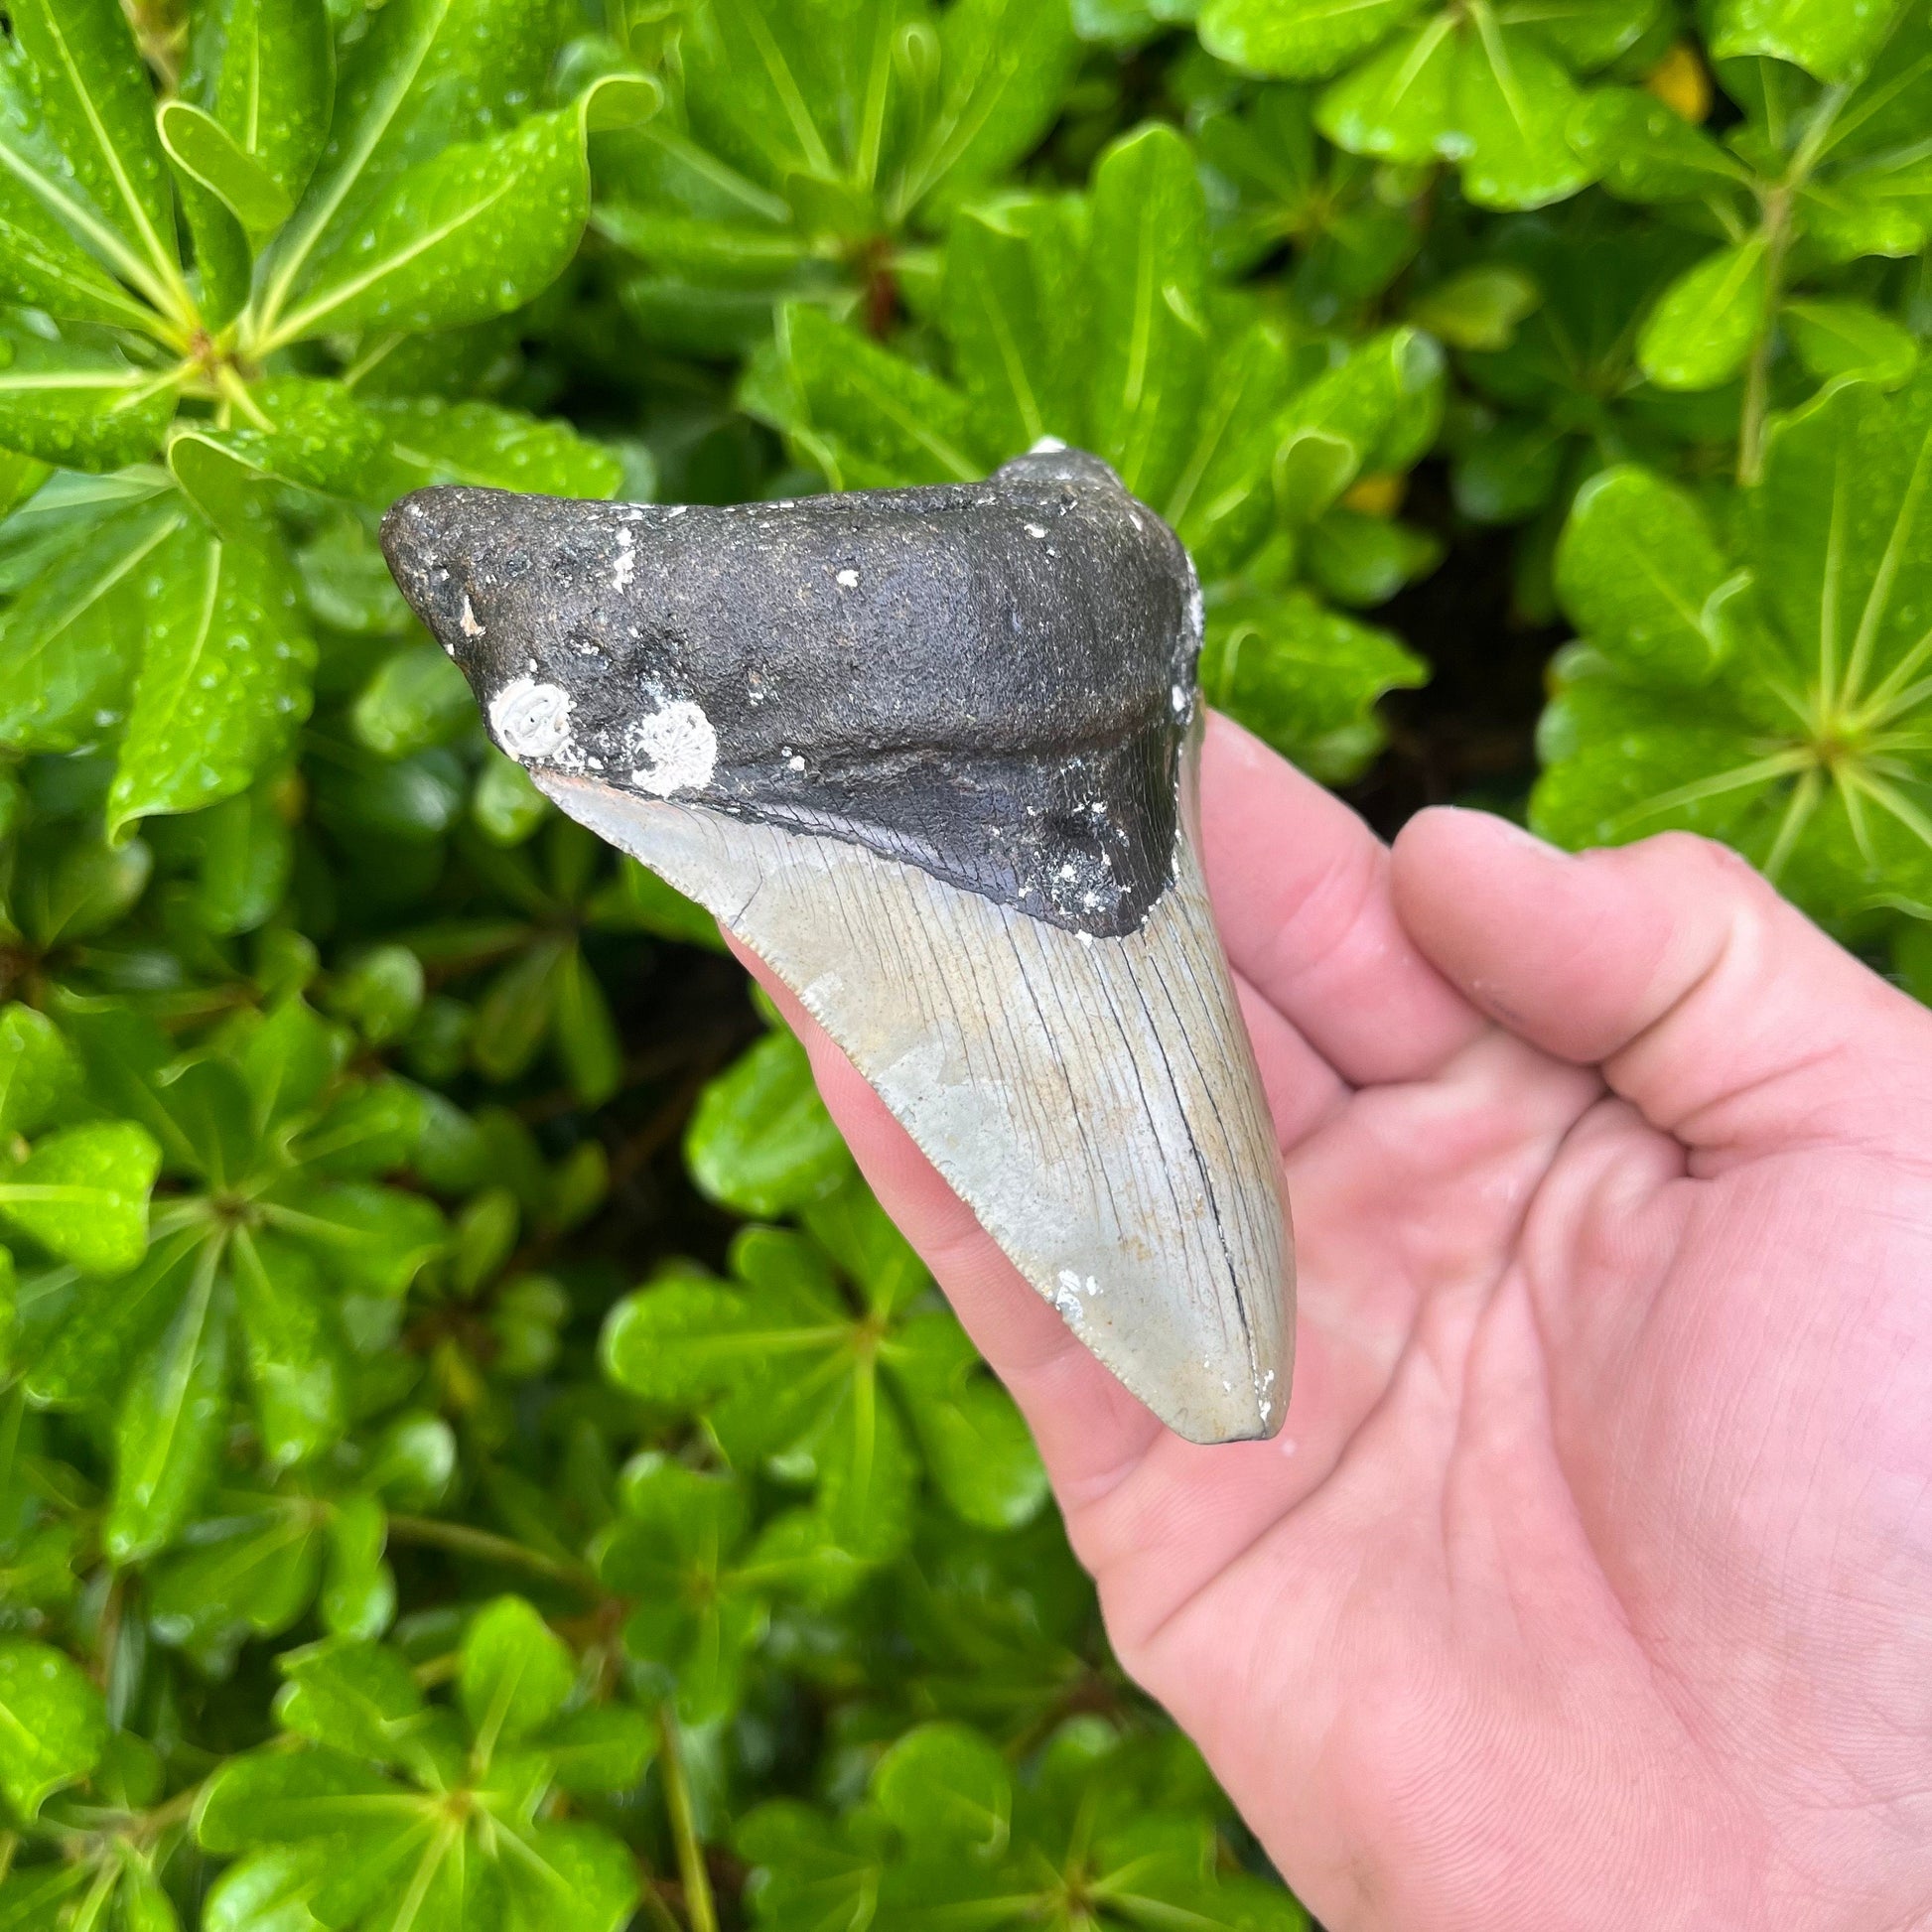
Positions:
{"x": 1002, "y": 921}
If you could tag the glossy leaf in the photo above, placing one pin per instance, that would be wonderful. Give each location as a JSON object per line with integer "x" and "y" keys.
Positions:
{"x": 86, "y": 410}
{"x": 1635, "y": 568}
{"x": 39, "y": 1069}
{"x": 223, "y": 679}
{"x": 1302, "y": 40}
{"x": 1148, "y": 268}
{"x": 516, "y": 1673}
{"x": 1701, "y": 332}
{"x": 82, "y": 1194}
{"x": 1303, "y": 678}
{"x": 761, "y": 1140}
{"x": 53, "y": 1722}
{"x": 99, "y": 108}
{"x": 1830, "y": 40}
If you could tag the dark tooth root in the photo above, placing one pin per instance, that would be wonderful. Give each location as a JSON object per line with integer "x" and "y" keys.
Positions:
{"x": 951, "y": 675}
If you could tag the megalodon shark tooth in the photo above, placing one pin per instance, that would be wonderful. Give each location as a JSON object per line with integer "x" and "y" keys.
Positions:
{"x": 930, "y": 754}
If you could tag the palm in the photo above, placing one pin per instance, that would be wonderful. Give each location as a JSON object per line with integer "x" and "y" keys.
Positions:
{"x": 1604, "y": 1464}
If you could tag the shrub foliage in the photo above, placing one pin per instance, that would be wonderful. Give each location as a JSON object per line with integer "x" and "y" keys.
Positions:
{"x": 472, "y": 1452}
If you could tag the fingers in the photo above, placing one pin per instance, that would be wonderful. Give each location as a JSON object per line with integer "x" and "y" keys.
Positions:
{"x": 1090, "y": 1430}
{"x": 1301, "y": 891}
{"x": 1714, "y": 1006}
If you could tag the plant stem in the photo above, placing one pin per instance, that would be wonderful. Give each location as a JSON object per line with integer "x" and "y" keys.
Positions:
{"x": 699, "y": 1906}
{"x": 1777, "y": 245}
{"x": 1757, "y": 375}
{"x": 463, "y": 1540}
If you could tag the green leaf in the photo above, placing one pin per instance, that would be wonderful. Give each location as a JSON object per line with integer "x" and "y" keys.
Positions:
{"x": 587, "y": 1036}
{"x": 977, "y": 1448}
{"x": 853, "y": 1229}
{"x": 470, "y": 233}
{"x": 43, "y": 222}
{"x": 1364, "y": 560}
{"x": 683, "y": 1342}
{"x": 100, "y": 108}
{"x": 51, "y": 1720}
{"x": 371, "y": 1239}
{"x": 418, "y": 698}
{"x": 278, "y": 1796}
{"x": 946, "y": 1789}
{"x": 481, "y": 443}
{"x": 761, "y": 1140}
{"x": 367, "y": 1129}
{"x": 1149, "y": 265}
{"x": 505, "y": 806}
{"x": 1834, "y": 339}
{"x": 1478, "y": 308}
{"x": 1014, "y": 304}
{"x": 604, "y": 1748}
{"x": 519, "y": 1007}
{"x": 1303, "y": 678}
{"x": 224, "y": 674}
{"x": 428, "y": 73}
{"x": 168, "y": 1433}
{"x": 1801, "y": 750}
{"x": 1634, "y": 568}
{"x": 1587, "y": 33}
{"x": 1832, "y": 40}
{"x": 82, "y": 1194}
{"x": 1513, "y": 104}
{"x": 358, "y": 1592}
{"x": 226, "y": 196}
{"x": 1300, "y": 40}
{"x": 379, "y": 991}
{"x": 108, "y": 1326}
{"x": 1839, "y": 534}
{"x": 84, "y": 410}
{"x": 1399, "y": 105}
{"x": 245, "y": 855}
{"x": 1642, "y": 151}
{"x": 39, "y": 1069}
{"x": 866, "y": 1470}
{"x": 863, "y": 415}
{"x": 356, "y": 1698}
{"x": 68, "y": 645}
{"x": 233, "y": 1576}
{"x": 1004, "y": 67}
{"x": 275, "y": 89}
{"x": 290, "y": 1347}
{"x": 1223, "y": 501}
{"x": 516, "y": 1674}
{"x": 570, "y": 1878}
{"x": 1704, "y": 324}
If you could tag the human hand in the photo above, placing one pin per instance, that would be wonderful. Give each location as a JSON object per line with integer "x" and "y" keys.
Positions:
{"x": 1587, "y": 1583}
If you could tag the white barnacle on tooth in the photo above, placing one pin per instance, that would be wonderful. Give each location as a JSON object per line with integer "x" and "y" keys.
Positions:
{"x": 531, "y": 720}
{"x": 677, "y": 750}
{"x": 625, "y": 567}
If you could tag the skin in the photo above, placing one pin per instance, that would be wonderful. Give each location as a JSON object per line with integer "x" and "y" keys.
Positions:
{"x": 1589, "y": 1583}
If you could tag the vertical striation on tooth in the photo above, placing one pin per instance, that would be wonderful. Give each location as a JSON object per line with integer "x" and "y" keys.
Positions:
{"x": 1094, "y": 1102}
{"x": 929, "y": 754}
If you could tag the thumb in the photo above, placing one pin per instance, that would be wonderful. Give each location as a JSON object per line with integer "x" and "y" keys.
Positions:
{"x": 1715, "y": 1007}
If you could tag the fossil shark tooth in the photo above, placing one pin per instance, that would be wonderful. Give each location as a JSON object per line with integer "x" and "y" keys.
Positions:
{"x": 930, "y": 754}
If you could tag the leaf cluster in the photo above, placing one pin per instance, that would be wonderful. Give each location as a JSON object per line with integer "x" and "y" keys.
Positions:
{"x": 472, "y": 1453}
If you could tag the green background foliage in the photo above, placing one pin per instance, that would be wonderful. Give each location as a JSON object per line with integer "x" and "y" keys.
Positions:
{"x": 472, "y": 1452}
